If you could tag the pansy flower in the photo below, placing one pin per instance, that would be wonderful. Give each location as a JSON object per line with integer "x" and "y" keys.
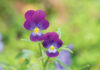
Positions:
{"x": 52, "y": 42}
{"x": 1, "y": 44}
{"x": 0, "y": 68}
{"x": 65, "y": 58}
{"x": 36, "y": 22}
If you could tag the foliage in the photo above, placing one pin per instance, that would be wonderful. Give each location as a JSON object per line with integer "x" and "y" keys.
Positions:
{"x": 82, "y": 28}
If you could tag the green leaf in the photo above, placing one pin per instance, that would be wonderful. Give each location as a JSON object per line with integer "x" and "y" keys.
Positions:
{"x": 24, "y": 65}
{"x": 26, "y": 40}
{"x": 52, "y": 66}
{"x": 59, "y": 32}
{"x": 65, "y": 48}
{"x": 25, "y": 54}
{"x": 43, "y": 55}
{"x": 26, "y": 61}
{"x": 19, "y": 55}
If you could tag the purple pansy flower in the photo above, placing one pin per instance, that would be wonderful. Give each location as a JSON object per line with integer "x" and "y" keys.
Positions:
{"x": 64, "y": 57}
{"x": 36, "y": 22}
{"x": 0, "y": 68}
{"x": 52, "y": 42}
{"x": 1, "y": 44}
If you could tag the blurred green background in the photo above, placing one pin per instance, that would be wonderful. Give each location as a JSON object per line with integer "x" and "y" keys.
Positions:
{"x": 79, "y": 21}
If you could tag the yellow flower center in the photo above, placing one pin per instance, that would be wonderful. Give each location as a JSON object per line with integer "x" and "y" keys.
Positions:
{"x": 36, "y": 30}
{"x": 52, "y": 48}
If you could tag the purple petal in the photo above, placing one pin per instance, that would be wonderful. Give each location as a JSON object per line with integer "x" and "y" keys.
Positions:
{"x": 50, "y": 36}
{"x": 70, "y": 46}
{"x": 43, "y": 24}
{"x": 38, "y": 16}
{"x": 59, "y": 66}
{"x": 0, "y": 68}
{"x": 29, "y": 25}
{"x": 52, "y": 54}
{"x": 59, "y": 43}
{"x": 29, "y": 14}
{"x": 45, "y": 43}
{"x": 1, "y": 46}
{"x": 65, "y": 57}
{"x": 36, "y": 38}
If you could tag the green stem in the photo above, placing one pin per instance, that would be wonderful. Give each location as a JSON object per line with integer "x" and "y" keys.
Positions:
{"x": 41, "y": 55}
{"x": 46, "y": 62}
